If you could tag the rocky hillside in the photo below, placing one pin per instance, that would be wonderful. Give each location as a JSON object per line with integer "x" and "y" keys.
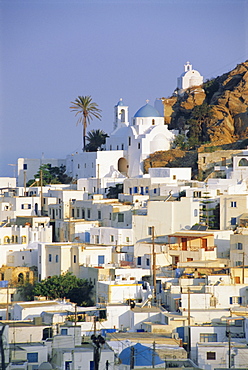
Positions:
{"x": 225, "y": 128}
{"x": 228, "y": 97}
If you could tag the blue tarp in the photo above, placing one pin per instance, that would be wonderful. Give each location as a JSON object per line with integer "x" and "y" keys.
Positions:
{"x": 3, "y": 283}
{"x": 143, "y": 356}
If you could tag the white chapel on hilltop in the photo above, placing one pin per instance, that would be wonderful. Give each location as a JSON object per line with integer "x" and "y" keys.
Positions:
{"x": 189, "y": 78}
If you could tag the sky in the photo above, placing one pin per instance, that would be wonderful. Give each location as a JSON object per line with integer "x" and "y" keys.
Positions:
{"x": 52, "y": 51}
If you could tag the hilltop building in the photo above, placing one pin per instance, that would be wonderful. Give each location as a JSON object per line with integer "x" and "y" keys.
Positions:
{"x": 189, "y": 78}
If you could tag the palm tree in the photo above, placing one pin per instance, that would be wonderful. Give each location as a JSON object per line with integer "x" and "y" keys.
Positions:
{"x": 95, "y": 138}
{"x": 87, "y": 110}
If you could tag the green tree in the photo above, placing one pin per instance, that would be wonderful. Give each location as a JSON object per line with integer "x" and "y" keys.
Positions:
{"x": 87, "y": 110}
{"x": 199, "y": 121}
{"x": 26, "y": 291}
{"x": 95, "y": 138}
{"x": 51, "y": 175}
{"x": 113, "y": 191}
{"x": 65, "y": 286}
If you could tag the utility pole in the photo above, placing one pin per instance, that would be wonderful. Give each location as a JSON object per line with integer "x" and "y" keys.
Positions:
{"x": 154, "y": 267}
{"x": 189, "y": 339}
{"x": 41, "y": 192}
{"x": 132, "y": 357}
{"x": 7, "y": 306}
{"x": 98, "y": 179}
{"x": 25, "y": 182}
{"x": 243, "y": 268}
{"x": 153, "y": 354}
{"x": 229, "y": 345}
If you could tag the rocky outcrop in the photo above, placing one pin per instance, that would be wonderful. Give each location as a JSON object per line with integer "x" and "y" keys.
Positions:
{"x": 228, "y": 96}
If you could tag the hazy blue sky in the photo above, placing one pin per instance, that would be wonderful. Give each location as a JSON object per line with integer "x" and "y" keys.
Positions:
{"x": 51, "y": 51}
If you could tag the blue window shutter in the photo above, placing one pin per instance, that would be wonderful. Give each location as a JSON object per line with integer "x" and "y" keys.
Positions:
{"x": 101, "y": 260}
{"x": 87, "y": 237}
{"x": 239, "y": 300}
{"x": 231, "y": 300}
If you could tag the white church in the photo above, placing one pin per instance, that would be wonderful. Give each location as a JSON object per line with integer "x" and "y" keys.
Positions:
{"x": 127, "y": 146}
{"x": 189, "y": 78}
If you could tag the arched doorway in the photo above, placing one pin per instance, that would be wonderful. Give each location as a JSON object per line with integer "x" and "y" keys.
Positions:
{"x": 123, "y": 166}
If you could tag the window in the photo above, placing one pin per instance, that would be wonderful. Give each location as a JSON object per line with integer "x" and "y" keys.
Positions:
{"x": 57, "y": 258}
{"x": 138, "y": 145}
{"x": 110, "y": 147}
{"x": 153, "y": 122}
{"x": 130, "y": 191}
{"x": 233, "y": 221}
{"x": 142, "y": 190}
{"x": 25, "y": 166}
{"x": 155, "y": 191}
{"x": 197, "y": 194}
{"x": 83, "y": 213}
{"x": 147, "y": 189}
{"x": 64, "y": 331}
{"x": 236, "y": 300}
{"x": 110, "y": 216}
{"x": 112, "y": 239}
{"x": 203, "y": 159}
{"x": 208, "y": 337}
{"x": 195, "y": 212}
{"x": 49, "y": 257}
{"x": 239, "y": 246}
{"x": 117, "y": 147}
{"x": 174, "y": 177}
{"x": 135, "y": 189}
{"x": 120, "y": 217}
{"x": 99, "y": 215}
{"x": 129, "y": 140}
{"x": 26, "y": 206}
{"x": 238, "y": 263}
{"x": 127, "y": 239}
{"x": 147, "y": 262}
{"x": 32, "y": 357}
{"x": 24, "y": 239}
{"x": 74, "y": 258}
{"x": 149, "y": 230}
{"x": 233, "y": 204}
{"x": 122, "y": 146}
{"x": 139, "y": 261}
{"x": 101, "y": 260}
{"x": 72, "y": 212}
{"x": 211, "y": 356}
{"x": 97, "y": 239}
{"x": 77, "y": 212}
{"x": 88, "y": 213}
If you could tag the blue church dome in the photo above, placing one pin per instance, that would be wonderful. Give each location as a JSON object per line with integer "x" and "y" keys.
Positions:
{"x": 147, "y": 111}
{"x": 120, "y": 103}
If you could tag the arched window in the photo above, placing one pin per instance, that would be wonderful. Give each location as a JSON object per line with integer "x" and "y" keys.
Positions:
{"x": 6, "y": 240}
{"x": 153, "y": 122}
{"x": 243, "y": 162}
{"x": 24, "y": 239}
{"x": 21, "y": 278}
{"x": 122, "y": 115}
